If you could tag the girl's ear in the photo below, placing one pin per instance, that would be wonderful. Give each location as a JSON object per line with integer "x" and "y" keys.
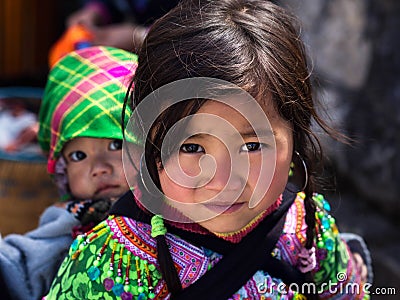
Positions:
{"x": 159, "y": 165}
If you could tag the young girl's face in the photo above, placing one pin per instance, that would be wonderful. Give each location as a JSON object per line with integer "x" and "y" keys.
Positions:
{"x": 94, "y": 168}
{"x": 224, "y": 178}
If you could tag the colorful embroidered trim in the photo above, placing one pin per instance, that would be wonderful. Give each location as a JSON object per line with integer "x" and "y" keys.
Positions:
{"x": 135, "y": 277}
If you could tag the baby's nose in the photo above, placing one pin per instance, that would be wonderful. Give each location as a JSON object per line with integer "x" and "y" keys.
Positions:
{"x": 101, "y": 168}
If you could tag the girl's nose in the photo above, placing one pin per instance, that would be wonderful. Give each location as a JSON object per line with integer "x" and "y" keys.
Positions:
{"x": 225, "y": 177}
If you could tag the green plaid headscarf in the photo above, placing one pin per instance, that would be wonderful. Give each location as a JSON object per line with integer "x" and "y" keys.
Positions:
{"x": 84, "y": 97}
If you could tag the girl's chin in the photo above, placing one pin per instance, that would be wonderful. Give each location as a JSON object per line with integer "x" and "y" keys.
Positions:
{"x": 224, "y": 224}
{"x": 219, "y": 228}
{"x": 206, "y": 213}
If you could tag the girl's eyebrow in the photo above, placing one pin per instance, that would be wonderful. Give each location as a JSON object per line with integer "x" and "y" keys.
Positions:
{"x": 247, "y": 133}
{"x": 261, "y": 132}
{"x": 197, "y": 136}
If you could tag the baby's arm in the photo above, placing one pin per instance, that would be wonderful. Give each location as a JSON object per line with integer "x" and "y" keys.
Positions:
{"x": 28, "y": 135}
{"x": 29, "y": 262}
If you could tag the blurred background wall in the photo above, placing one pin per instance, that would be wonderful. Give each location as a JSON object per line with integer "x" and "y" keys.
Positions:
{"x": 354, "y": 46}
{"x": 27, "y": 30}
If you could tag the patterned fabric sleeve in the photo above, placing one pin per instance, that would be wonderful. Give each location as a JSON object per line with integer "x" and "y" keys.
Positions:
{"x": 335, "y": 275}
{"x": 99, "y": 267}
{"x": 72, "y": 280}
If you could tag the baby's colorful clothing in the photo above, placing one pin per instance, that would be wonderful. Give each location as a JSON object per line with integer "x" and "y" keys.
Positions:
{"x": 30, "y": 262}
{"x": 117, "y": 260}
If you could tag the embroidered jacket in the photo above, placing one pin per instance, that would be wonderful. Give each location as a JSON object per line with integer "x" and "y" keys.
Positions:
{"x": 117, "y": 260}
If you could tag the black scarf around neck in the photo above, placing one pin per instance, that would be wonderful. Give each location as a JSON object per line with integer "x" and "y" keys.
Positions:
{"x": 240, "y": 260}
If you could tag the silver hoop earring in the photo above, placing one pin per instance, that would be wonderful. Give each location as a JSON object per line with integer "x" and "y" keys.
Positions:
{"x": 141, "y": 172}
{"x": 298, "y": 169}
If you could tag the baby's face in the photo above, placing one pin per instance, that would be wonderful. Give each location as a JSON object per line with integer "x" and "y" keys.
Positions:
{"x": 94, "y": 168}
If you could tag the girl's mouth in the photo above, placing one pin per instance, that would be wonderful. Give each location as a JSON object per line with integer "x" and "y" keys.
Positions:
{"x": 224, "y": 208}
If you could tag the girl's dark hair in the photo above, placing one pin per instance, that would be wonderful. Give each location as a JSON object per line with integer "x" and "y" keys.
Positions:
{"x": 253, "y": 44}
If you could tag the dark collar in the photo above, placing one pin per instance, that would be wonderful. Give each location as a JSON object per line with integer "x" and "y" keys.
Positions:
{"x": 126, "y": 206}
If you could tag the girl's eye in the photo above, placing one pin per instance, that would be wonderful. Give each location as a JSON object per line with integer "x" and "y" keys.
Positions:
{"x": 253, "y": 146}
{"x": 191, "y": 148}
{"x": 77, "y": 156}
{"x": 116, "y": 145}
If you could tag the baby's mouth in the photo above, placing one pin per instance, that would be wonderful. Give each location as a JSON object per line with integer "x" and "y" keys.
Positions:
{"x": 105, "y": 189}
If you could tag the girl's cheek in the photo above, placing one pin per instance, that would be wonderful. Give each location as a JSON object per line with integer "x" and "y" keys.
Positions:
{"x": 167, "y": 185}
{"x": 182, "y": 172}
{"x": 173, "y": 189}
{"x": 187, "y": 165}
{"x": 191, "y": 171}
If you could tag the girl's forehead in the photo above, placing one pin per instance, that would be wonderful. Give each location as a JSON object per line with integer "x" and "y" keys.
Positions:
{"x": 228, "y": 119}
{"x": 240, "y": 110}
{"x": 244, "y": 103}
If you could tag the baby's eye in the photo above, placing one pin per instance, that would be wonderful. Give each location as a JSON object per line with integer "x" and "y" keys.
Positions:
{"x": 253, "y": 146}
{"x": 77, "y": 156}
{"x": 191, "y": 148}
{"x": 116, "y": 145}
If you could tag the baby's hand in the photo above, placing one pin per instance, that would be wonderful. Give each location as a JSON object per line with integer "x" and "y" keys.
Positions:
{"x": 88, "y": 16}
{"x": 361, "y": 267}
{"x": 123, "y": 35}
{"x": 360, "y": 254}
{"x": 61, "y": 204}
